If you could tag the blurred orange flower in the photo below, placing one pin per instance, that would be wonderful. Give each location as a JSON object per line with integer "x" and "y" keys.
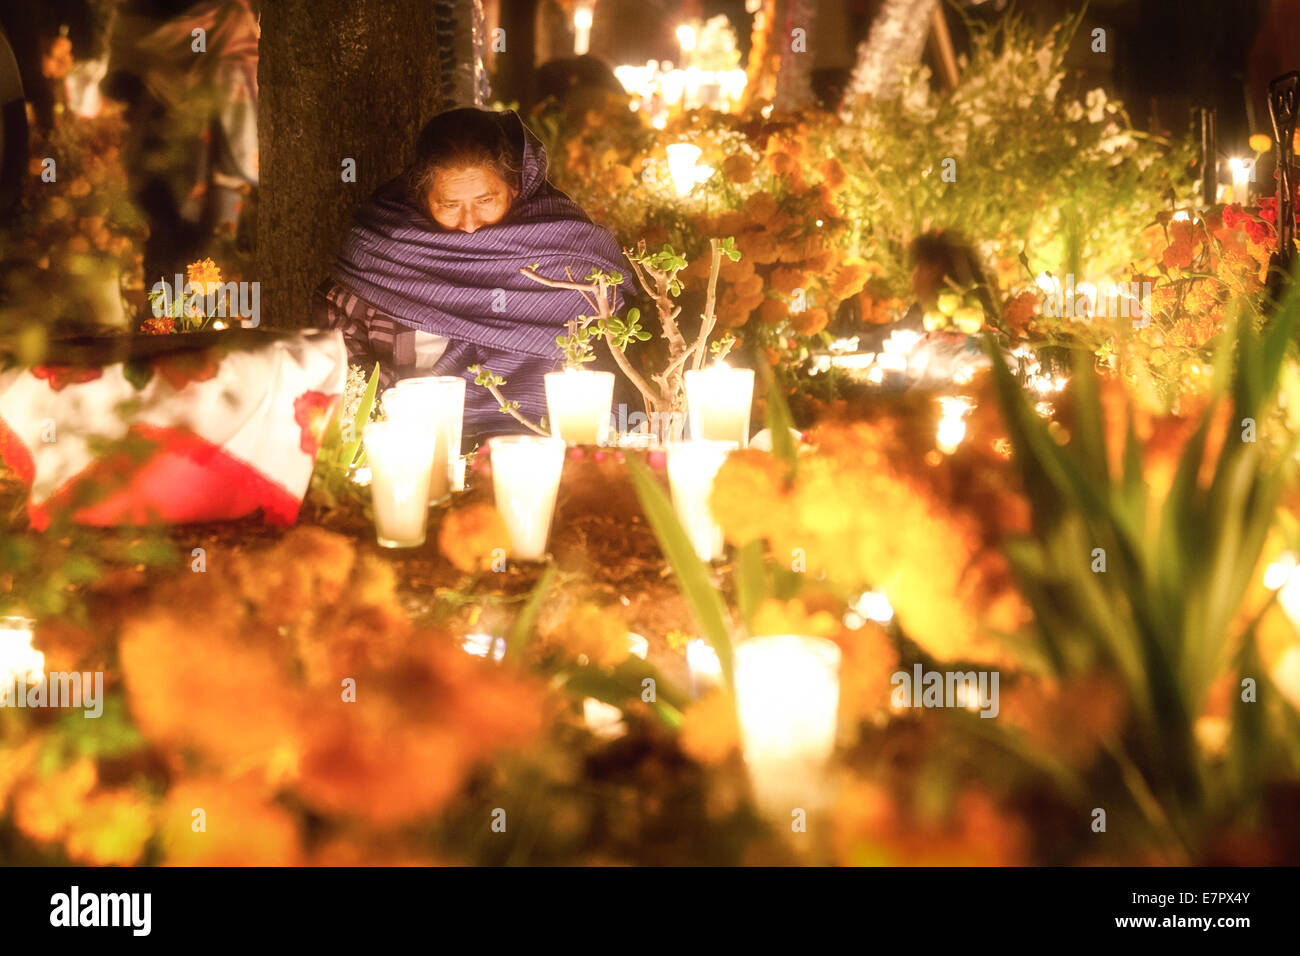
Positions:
{"x": 809, "y": 321}
{"x": 738, "y": 168}
{"x": 471, "y": 537}
{"x": 710, "y": 733}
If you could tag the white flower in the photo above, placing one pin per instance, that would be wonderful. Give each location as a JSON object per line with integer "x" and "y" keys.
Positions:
{"x": 1096, "y": 101}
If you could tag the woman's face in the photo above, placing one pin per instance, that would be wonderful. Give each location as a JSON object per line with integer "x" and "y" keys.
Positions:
{"x": 468, "y": 199}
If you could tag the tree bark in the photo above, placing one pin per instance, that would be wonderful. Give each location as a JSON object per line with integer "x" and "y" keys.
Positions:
{"x": 339, "y": 80}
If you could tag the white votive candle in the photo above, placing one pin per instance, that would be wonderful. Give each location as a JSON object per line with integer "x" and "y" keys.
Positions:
{"x": 787, "y": 697}
{"x": 578, "y": 403}
{"x": 525, "y": 479}
{"x": 438, "y": 403}
{"x": 718, "y": 399}
{"x": 400, "y": 455}
{"x": 692, "y": 466}
{"x": 20, "y": 663}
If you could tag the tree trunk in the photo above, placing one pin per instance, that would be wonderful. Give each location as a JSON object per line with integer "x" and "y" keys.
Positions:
{"x": 794, "y": 80}
{"x": 339, "y": 80}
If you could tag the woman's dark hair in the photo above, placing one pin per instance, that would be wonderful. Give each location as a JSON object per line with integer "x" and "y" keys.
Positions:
{"x": 956, "y": 260}
{"x": 459, "y": 138}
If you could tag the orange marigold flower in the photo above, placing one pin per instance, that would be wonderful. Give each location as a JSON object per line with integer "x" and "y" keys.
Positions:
{"x": 785, "y": 280}
{"x": 110, "y": 829}
{"x": 472, "y": 536}
{"x": 848, "y": 280}
{"x": 203, "y": 275}
{"x": 783, "y": 164}
{"x": 832, "y": 172}
{"x": 159, "y": 325}
{"x": 761, "y": 206}
{"x": 46, "y": 805}
{"x": 242, "y": 825}
{"x": 1021, "y": 310}
{"x": 772, "y": 311}
{"x": 710, "y": 733}
{"x": 809, "y": 321}
{"x": 738, "y": 168}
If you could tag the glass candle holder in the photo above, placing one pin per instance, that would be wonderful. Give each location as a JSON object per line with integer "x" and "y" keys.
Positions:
{"x": 692, "y": 466}
{"x": 400, "y": 454}
{"x": 525, "y": 479}
{"x": 437, "y": 402}
{"x": 718, "y": 400}
{"x": 787, "y": 698}
{"x": 578, "y": 403}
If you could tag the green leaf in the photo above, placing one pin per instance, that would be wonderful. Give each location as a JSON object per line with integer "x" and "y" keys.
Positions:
{"x": 780, "y": 422}
{"x": 750, "y": 580}
{"x": 690, "y": 571}
{"x": 624, "y": 685}
{"x": 138, "y": 373}
{"x": 522, "y": 628}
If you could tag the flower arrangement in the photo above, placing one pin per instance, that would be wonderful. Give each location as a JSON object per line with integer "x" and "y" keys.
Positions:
{"x": 203, "y": 307}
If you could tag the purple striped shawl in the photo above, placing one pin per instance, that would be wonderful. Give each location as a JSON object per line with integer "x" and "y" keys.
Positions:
{"x": 401, "y": 262}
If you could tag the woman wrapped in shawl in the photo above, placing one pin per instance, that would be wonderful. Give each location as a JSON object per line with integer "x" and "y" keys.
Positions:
{"x": 428, "y": 281}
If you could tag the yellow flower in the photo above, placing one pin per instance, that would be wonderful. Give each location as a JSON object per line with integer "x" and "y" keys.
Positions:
{"x": 749, "y": 495}
{"x": 792, "y": 617}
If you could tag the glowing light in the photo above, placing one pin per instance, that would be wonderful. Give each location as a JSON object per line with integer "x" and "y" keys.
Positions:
{"x": 484, "y": 645}
{"x": 787, "y": 699}
{"x": 874, "y": 606}
{"x": 686, "y": 37}
{"x": 1279, "y": 572}
{"x": 682, "y": 159}
{"x": 1243, "y": 170}
{"x": 952, "y": 424}
{"x": 19, "y": 661}
{"x": 637, "y": 645}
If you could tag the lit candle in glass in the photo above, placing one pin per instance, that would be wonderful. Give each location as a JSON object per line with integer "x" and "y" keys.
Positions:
{"x": 682, "y": 158}
{"x": 1241, "y": 172}
{"x": 704, "y": 665}
{"x": 578, "y": 403}
{"x": 20, "y": 663}
{"x": 787, "y": 698}
{"x": 582, "y": 28}
{"x": 400, "y": 455}
{"x": 435, "y": 402}
{"x": 692, "y": 466}
{"x": 525, "y": 479}
{"x": 718, "y": 400}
